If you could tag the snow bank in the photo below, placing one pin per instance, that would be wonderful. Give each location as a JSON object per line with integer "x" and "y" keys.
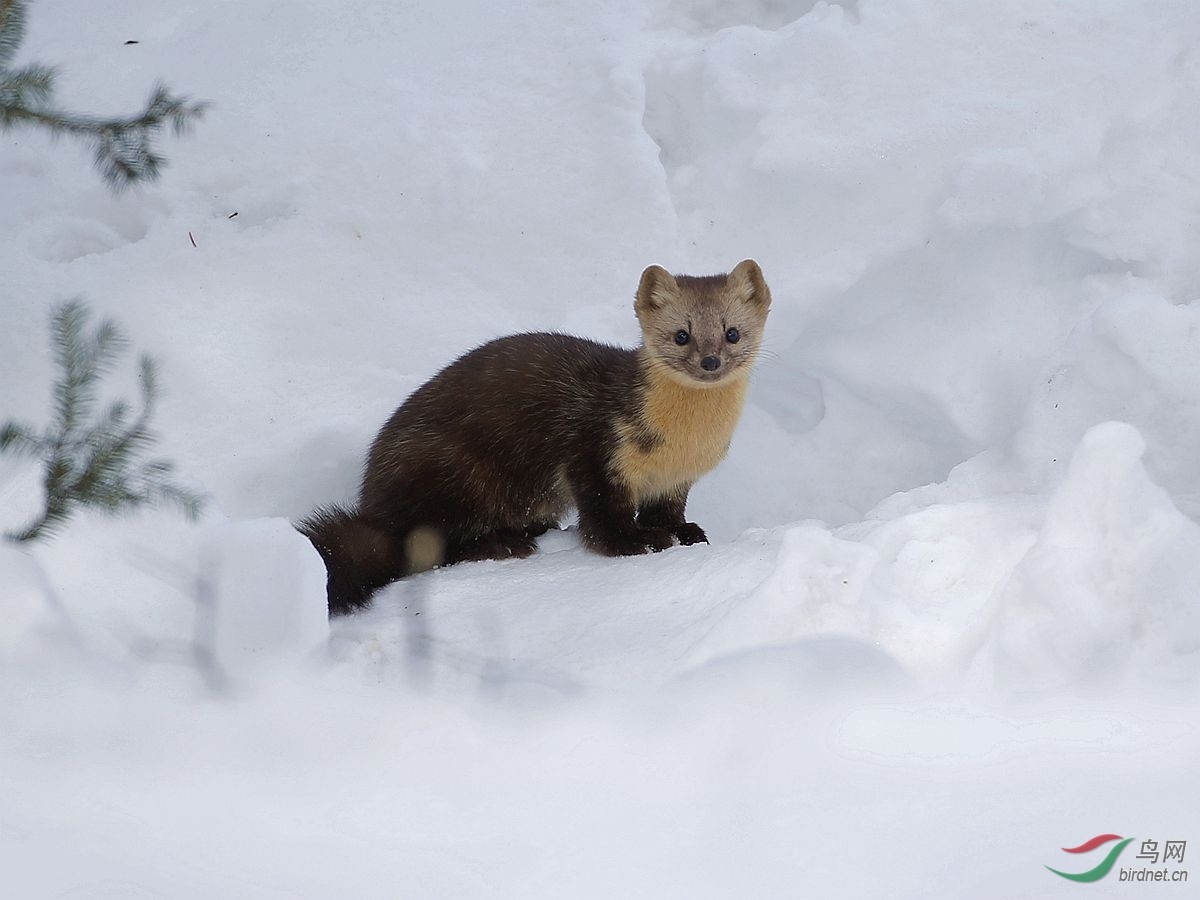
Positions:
{"x": 938, "y": 221}
{"x": 1108, "y": 589}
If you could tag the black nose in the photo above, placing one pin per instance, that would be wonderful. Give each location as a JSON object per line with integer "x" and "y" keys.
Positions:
{"x": 710, "y": 364}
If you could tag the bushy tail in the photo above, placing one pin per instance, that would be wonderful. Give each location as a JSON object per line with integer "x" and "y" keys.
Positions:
{"x": 360, "y": 557}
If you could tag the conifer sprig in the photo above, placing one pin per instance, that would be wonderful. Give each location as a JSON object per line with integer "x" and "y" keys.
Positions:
{"x": 122, "y": 148}
{"x": 12, "y": 29}
{"x": 94, "y": 463}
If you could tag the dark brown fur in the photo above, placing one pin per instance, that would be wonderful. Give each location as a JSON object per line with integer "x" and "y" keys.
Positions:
{"x": 493, "y": 450}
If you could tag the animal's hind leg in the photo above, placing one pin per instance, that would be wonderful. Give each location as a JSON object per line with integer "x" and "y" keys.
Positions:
{"x": 503, "y": 543}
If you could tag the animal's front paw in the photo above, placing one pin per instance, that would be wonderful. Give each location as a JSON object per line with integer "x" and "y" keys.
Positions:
{"x": 690, "y": 533}
{"x": 620, "y": 545}
{"x": 655, "y": 538}
{"x": 634, "y": 542}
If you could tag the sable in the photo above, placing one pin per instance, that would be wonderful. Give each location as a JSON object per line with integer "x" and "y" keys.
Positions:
{"x": 492, "y": 451}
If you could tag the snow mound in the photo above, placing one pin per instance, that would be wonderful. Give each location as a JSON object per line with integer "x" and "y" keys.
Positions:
{"x": 1090, "y": 589}
{"x": 1107, "y": 592}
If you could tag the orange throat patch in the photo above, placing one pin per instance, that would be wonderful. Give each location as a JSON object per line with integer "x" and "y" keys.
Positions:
{"x": 692, "y": 427}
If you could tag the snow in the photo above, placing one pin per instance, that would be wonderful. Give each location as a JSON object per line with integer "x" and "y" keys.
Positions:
{"x": 948, "y": 620}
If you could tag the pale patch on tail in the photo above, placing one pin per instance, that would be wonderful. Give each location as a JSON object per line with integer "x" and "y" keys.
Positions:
{"x": 424, "y": 549}
{"x": 361, "y": 557}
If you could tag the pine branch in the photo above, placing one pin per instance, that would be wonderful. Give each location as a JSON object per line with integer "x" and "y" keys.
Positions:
{"x": 148, "y": 381}
{"x": 157, "y": 489}
{"x": 99, "y": 464}
{"x": 20, "y": 439}
{"x": 12, "y": 29}
{"x": 24, "y": 90}
{"x": 122, "y": 148}
{"x": 72, "y": 390}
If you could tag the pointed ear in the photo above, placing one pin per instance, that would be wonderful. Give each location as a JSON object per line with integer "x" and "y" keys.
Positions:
{"x": 747, "y": 279}
{"x": 657, "y": 288}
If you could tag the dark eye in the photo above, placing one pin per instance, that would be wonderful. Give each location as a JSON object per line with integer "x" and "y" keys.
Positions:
{"x": 682, "y": 337}
{"x": 733, "y": 335}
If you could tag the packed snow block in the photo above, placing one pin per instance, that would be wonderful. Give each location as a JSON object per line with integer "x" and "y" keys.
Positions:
{"x": 264, "y": 595}
{"x": 1106, "y": 596}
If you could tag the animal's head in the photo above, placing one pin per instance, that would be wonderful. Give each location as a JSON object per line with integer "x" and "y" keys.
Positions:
{"x": 703, "y": 330}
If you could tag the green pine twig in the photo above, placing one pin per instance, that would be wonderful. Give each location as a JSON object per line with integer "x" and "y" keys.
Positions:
{"x": 94, "y": 461}
{"x": 122, "y": 148}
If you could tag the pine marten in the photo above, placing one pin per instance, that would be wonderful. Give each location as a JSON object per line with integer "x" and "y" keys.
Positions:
{"x": 494, "y": 449}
